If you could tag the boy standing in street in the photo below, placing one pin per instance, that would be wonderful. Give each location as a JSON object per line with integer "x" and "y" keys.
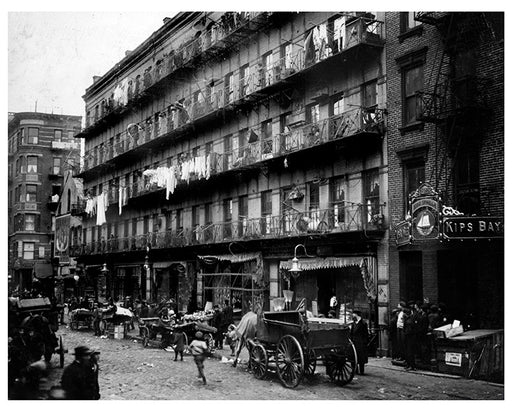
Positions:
{"x": 199, "y": 350}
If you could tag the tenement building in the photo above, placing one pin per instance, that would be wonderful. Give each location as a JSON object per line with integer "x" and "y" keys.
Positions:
{"x": 41, "y": 148}
{"x": 225, "y": 145}
{"x": 445, "y": 85}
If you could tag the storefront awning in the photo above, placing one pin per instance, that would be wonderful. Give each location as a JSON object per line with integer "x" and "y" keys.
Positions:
{"x": 238, "y": 258}
{"x": 324, "y": 263}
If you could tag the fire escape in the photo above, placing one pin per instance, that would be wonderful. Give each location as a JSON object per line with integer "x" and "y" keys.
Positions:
{"x": 455, "y": 97}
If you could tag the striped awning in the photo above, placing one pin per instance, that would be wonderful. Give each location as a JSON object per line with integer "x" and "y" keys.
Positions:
{"x": 324, "y": 263}
{"x": 238, "y": 258}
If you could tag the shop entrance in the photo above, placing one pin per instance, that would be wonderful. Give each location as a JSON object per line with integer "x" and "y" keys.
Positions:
{"x": 411, "y": 276}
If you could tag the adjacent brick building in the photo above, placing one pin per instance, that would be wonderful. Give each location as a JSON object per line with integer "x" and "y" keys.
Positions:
{"x": 41, "y": 147}
{"x": 445, "y": 88}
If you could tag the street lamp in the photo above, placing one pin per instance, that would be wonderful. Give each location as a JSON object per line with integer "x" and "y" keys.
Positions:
{"x": 295, "y": 270}
{"x": 104, "y": 269}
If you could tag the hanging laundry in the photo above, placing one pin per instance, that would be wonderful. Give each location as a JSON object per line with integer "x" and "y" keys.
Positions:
{"x": 207, "y": 166}
{"x": 100, "y": 213}
{"x": 309, "y": 49}
{"x": 90, "y": 206}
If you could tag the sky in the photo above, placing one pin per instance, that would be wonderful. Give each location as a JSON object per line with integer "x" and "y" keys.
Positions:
{"x": 52, "y": 56}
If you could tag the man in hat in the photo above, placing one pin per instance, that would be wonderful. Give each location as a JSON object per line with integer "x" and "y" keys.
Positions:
{"x": 359, "y": 336}
{"x": 199, "y": 350}
{"x": 78, "y": 378}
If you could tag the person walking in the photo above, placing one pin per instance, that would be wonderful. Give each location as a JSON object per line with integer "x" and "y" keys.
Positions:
{"x": 199, "y": 350}
{"x": 179, "y": 344}
{"x": 78, "y": 379}
{"x": 359, "y": 336}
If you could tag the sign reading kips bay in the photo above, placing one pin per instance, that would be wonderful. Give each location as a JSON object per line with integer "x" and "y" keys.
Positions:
{"x": 472, "y": 227}
{"x": 430, "y": 219}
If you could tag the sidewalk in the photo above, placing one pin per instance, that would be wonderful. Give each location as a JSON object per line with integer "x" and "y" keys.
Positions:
{"x": 385, "y": 363}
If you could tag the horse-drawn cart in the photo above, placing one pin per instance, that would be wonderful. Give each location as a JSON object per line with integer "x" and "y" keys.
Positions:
{"x": 290, "y": 344}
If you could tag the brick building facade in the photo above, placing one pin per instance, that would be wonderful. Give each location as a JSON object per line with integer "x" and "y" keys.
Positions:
{"x": 445, "y": 85}
{"x": 41, "y": 147}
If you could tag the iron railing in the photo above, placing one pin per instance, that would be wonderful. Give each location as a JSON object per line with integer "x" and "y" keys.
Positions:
{"x": 350, "y": 217}
{"x": 205, "y": 101}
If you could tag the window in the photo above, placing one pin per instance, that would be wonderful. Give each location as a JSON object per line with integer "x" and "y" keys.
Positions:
{"x": 338, "y": 106}
{"x": 286, "y": 56}
{"x": 31, "y": 193}
{"x": 467, "y": 182}
{"x": 407, "y": 21}
{"x": 195, "y": 216}
{"x": 208, "y": 222}
{"x": 28, "y": 250}
{"x": 412, "y": 81}
{"x": 313, "y": 113}
{"x": 208, "y": 148}
{"x": 33, "y": 135}
{"x": 267, "y": 68}
{"x": 20, "y": 166}
{"x": 243, "y": 214}
{"x": 336, "y": 29}
{"x": 228, "y": 216}
{"x": 145, "y": 225}
{"x": 179, "y": 219}
{"x": 229, "y": 85}
{"x": 134, "y": 226}
{"x": 314, "y": 205}
{"x": 126, "y": 228}
{"x": 337, "y": 191}
{"x": 370, "y": 94}
{"x": 371, "y": 189}
{"x": 266, "y": 130}
{"x": 57, "y": 136}
{"x": 414, "y": 174}
{"x": 266, "y": 212}
{"x": 30, "y": 222}
{"x": 244, "y": 80}
{"x": 17, "y": 194}
{"x": 228, "y": 152}
{"x": 31, "y": 164}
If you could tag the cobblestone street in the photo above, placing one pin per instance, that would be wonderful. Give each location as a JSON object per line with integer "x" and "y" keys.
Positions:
{"x": 131, "y": 372}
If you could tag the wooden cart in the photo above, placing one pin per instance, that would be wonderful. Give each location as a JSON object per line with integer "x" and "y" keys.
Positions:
{"x": 290, "y": 345}
{"x": 81, "y": 318}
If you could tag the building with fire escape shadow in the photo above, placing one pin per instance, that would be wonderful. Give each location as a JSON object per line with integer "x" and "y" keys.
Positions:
{"x": 446, "y": 162}
{"x": 226, "y": 140}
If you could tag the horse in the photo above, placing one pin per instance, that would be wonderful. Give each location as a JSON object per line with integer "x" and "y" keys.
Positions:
{"x": 246, "y": 330}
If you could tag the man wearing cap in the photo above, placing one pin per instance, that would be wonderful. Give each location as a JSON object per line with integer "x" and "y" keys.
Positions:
{"x": 78, "y": 379}
{"x": 359, "y": 336}
{"x": 199, "y": 350}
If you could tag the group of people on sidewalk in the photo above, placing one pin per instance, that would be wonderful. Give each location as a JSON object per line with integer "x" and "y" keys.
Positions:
{"x": 410, "y": 331}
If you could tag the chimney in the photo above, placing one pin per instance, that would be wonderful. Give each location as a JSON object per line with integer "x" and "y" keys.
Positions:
{"x": 95, "y": 78}
{"x": 166, "y": 20}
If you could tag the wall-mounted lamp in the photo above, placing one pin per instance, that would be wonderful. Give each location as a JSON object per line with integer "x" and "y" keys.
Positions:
{"x": 104, "y": 269}
{"x": 146, "y": 262}
{"x": 295, "y": 270}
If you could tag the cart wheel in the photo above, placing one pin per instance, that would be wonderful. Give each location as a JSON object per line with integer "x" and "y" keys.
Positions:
{"x": 61, "y": 352}
{"x": 289, "y": 361}
{"x": 259, "y": 361}
{"x": 341, "y": 364}
{"x": 310, "y": 359}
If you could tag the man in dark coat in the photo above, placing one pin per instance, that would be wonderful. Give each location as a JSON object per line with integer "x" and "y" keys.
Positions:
{"x": 411, "y": 332}
{"x": 359, "y": 336}
{"x": 78, "y": 378}
{"x": 218, "y": 322}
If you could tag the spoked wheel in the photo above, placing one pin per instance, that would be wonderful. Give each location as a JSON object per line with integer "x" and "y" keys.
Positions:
{"x": 259, "y": 361}
{"x": 310, "y": 359}
{"x": 289, "y": 361}
{"x": 61, "y": 352}
{"x": 341, "y": 364}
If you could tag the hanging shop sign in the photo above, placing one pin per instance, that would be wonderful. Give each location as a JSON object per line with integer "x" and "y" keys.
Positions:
{"x": 472, "y": 227}
{"x": 403, "y": 234}
{"x": 62, "y": 229}
{"x": 425, "y": 206}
